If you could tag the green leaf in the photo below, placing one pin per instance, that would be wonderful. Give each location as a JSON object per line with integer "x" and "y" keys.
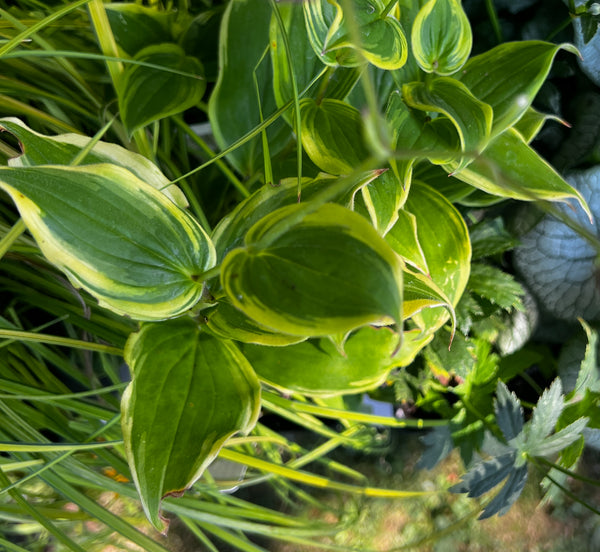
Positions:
{"x": 521, "y": 67}
{"x": 313, "y": 273}
{"x": 233, "y": 105}
{"x": 383, "y": 197}
{"x": 557, "y": 442}
{"x": 495, "y": 285}
{"x": 471, "y": 117}
{"x": 332, "y": 135}
{"x": 484, "y": 476}
{"x": 489, "y": 237}
{"x": 404, "y": 240}
{"x": 231, "y": 230}
{"x": 62, "y": 149}
{"x": 420, "y": 292}
{"x": 508, "y": 495}
{"x": 509, "y": 414}
{"x": 443, "y": 237}
{"x": 510, "y": 168}
{"x": 546, "y": 413}
{"x": 114, "y": 235}
{"x": 147, "y": 94}
{"x": 230, "y": 323}
{"x": 381, "y": 39}
{"x": 588, "y": 378}
{"x": 151, "y": 26}
{"x": 189, "y": 393}
{"x": 316, "y": 367}
{"x": 441, "y": 37}
{"x": 532, "y": 121}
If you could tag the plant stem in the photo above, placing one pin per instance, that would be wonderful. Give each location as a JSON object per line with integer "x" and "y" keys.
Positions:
{"x": 210, "y": 273}
{"x": 389, "y": 7}
{"x": 18, "y": 335}
{"x": 13, "y": 234}
{"x": 491, "y": 9}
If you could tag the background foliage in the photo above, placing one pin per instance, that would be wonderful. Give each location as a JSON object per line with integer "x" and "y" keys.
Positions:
{"x": 381, "y": 191}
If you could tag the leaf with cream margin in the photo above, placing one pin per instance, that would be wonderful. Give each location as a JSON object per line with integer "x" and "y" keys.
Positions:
{"x": 189, "y": 393}
{"x": 509, "y": 76}
{"x": 316, "y": 367}
{"x": 314, "y": 272}
{"x": 62, "y": 149}
{"x": 115, "y": 236}
{"x": 441, "y": 37}
{"x": 510, "y": 168}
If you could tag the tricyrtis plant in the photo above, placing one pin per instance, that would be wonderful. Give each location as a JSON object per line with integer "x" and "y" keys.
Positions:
{"x": 345, "y": 260}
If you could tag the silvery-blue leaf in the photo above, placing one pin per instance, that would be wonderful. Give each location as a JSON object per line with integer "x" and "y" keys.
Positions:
{"x": 557, "y": 264}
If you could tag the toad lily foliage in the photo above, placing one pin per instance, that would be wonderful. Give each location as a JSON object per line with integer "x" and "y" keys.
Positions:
{"x": 342, "y": 266}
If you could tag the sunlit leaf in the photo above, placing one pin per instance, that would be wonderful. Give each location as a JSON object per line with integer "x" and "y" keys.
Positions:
{"x": 441, "y": 37}
{"x": 404, "y": 240}
{"x": 320, "y": 272}
{"x": 383, "y": 197}
{"x": 316, "y": 367}
{"x": 62, "y": 149}
{"x": 148, "y": 94}
{"x": 189, "y": 393}
{"x": 114, "y": 235}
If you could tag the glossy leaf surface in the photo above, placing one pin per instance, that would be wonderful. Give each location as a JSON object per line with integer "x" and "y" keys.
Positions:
{"x": 189, "y": 393}
{"x": 114, "y": 235}
{"x": 316, "y": 367}
{"x": 444, "y": 239}
{"x": 510, "y": 168}
{"x": 148, "y": 94}
{"x": 332, "y": 135}
{"x": 521, "y": 67}
{"x": 471, "y": 117}
{"x": 327, "y": 272}
{"x": 441, "y": 37}
{"x": 62, "y": 149}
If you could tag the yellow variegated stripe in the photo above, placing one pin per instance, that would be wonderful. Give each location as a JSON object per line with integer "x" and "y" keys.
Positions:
{"x": 61, "y": 149}
{"x": 319, "y": 31}
{"x": 510, "y": 168}
{"x": 471, "y": 117}
{"x": 327, "y": 274}
{"x": 441, "y": 37}
{"x": 113, "y": 235}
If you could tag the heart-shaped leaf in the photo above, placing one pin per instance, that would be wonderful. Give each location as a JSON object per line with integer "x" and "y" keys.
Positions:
{"x": 148, "y": 94}
{"x": 441, "y": 37}
{"x": 114, "y": 235}
{"x": 314, "y": 273}
{"x": 189, "y": 393}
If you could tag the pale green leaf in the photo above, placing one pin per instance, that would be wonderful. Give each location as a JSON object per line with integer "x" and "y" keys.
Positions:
{"x": 62, "y": 149}
{"x": 147, "y": 94}
{"x": 546, "y": 413}
{"x": 114, "y": 235}
{"x": 444, "y": 239}
{"x": 383, "y": 197}
{"x": 316, "y": 367}
{"x": 404, "y": 240}
{"x": 332, "y": 135}
{"x": 441, "y": 37}
{"x": 189, "y": 393}
{"x": 230, "y": 323}
{"x": 313, "y": 273}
